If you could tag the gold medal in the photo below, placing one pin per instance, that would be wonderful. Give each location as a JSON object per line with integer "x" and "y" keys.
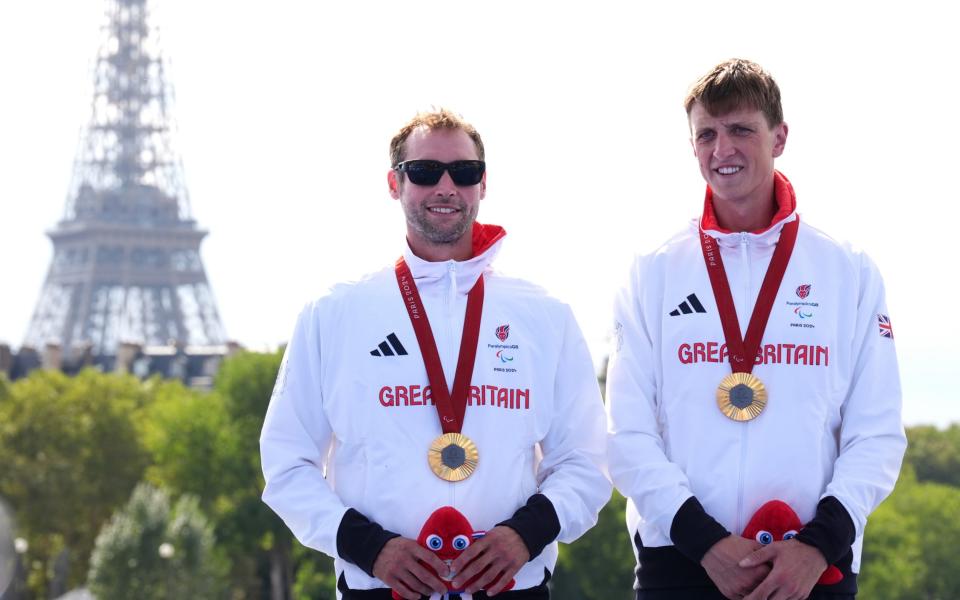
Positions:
{"x": 741, "y": 396}
{"x": 453, "y": 457}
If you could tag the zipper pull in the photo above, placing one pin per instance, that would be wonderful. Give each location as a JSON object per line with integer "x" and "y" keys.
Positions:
{"x": 452, "y": 273}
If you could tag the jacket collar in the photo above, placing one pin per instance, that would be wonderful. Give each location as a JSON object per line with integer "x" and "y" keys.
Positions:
{"x": 786, "y": 212}
{"x": 486, "y": 245}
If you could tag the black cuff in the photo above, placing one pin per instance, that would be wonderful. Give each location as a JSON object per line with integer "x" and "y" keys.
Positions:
{"x": 536, "y": 523}
{"x": 693, "y": 531}
{"x": 831, "y": 531}
{"x": 360, "y": 540}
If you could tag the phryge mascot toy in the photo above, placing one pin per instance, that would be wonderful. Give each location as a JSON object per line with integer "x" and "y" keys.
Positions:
{"x": 776, "y": 521}
{"x": 447, "y": 533}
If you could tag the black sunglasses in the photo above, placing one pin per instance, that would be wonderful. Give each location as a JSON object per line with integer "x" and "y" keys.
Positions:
{"x": 429, "y": 172}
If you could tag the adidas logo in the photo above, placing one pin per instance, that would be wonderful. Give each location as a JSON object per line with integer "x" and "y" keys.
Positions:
{"x": 684, "y": 308}
{"x": 390, "y": 347}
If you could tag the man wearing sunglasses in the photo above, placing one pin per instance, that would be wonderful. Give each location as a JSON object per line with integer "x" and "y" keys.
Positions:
{"x": 437, "y": 382}
{"x": 754, "y": 362}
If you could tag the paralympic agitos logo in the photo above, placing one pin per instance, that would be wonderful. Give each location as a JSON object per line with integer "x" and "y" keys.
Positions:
{"x": 503, "y": 351}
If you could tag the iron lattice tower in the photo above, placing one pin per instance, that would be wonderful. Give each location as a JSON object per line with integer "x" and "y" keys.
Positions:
{"x": 126, "y": 263}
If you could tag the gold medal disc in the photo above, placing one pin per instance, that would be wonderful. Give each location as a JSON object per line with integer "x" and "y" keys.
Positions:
{"x": 741, "y": 396}
{"x": 453, "y": 457}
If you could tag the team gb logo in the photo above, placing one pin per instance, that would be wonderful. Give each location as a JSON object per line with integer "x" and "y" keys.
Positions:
{"x": 503, "y": 332}
{"x": 803, "y": 291}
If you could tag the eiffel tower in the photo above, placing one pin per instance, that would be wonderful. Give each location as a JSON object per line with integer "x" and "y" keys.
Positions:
{"x": 126, "y": 254}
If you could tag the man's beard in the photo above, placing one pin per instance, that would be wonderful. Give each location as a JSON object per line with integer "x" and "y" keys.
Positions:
{"x": 419, "y": 219}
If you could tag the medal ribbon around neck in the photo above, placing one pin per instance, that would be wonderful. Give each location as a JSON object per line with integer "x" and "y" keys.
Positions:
{"x": 452, "y": 456}
{"x": 741, "y": 395}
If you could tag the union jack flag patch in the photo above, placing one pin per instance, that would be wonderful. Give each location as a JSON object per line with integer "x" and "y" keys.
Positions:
{"x": 886, "y": 329}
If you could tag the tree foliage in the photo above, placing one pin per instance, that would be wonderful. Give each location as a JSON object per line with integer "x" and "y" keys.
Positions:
{"x": 208, "y": 445}
{"x": 600, "y": 564}
{"x": 150, "y": 551}
{"x": 908, "y": 551}
{"x": 191, "y": 444}
{"x": 315, "y": 578}
{"x": 245, "y": 382}
{"x": 934, "y": 453}
{"x": 71, "y": 455}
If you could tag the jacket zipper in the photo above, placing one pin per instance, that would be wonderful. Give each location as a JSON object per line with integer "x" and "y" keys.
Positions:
{"x": 745, "y": 432}
{"x": 451, "y": 303}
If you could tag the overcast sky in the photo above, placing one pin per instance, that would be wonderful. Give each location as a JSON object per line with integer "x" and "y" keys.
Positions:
{"x": 285, "y": 109}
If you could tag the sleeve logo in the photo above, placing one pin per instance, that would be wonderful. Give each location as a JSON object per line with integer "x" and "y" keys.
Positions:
{"x": 886, "y": 329}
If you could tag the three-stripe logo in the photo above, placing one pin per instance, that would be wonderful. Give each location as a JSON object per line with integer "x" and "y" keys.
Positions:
{"x": 390, "y": 347}
{"x": 690, "y": 305}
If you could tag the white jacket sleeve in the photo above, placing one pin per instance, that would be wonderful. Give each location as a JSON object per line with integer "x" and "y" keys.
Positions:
{"x": 872, "y": 440}
{"x": 295, "y": 444}
{"x": 638, "y": 465}
{"x": 572, "y": 474}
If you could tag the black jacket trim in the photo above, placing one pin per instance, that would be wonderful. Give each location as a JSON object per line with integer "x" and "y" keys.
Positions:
{"x": 693, "y": 531}
{"x": 360, "y": 540}
{"x": 831, "y": 531}
{"x": 536, "y": 523}
{"x": 665, "y": 567}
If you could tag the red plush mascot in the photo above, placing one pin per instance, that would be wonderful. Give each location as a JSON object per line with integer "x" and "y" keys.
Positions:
{"x": 447, "y": 533}
{"x": 776, "y": 521}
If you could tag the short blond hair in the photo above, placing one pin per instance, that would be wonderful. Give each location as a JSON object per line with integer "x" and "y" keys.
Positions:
{"x": 436, "y": 119}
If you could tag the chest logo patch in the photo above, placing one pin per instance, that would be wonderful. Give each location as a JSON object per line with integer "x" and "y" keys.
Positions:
{"x": 803, "y": 310}
{"x": 389, "y": 347}
{"x": 505, "y": 353}
{"x": 690, "y": 305}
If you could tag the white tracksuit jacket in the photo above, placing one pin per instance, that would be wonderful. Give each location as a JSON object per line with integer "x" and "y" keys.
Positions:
{"x": 338, "y": 410}
{"x": 832, "y": 426}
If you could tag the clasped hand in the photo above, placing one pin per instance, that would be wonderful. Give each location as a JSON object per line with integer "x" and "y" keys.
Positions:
{"x": 795, "y": 569}
{"x": 744, "y": 569}
{"x": 493, "y": 559}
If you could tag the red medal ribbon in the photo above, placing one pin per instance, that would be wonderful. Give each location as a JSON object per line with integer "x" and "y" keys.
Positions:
{"x": 743, "y": 351}
{"x": 451, "y": 406}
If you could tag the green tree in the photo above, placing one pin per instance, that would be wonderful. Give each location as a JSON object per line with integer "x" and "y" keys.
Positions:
{"x": 600, "y": 564}
{"x": 71, "y": 455}
{"x": 196, "y": 450}
{"x": 150, "y": 551}
{"x": 208, "y": 445}
{"x": 934, "y": 453}
{"x": 908, "y": 551}
{"x": 246, "y": 383}
{"x": 315, "y": 578}
{"x": 192, "y": 444}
